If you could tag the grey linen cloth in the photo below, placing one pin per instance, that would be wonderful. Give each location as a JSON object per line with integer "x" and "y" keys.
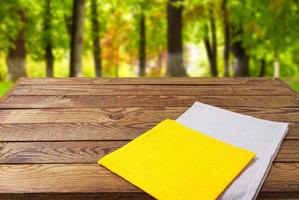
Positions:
{"x": 257, "y": 135}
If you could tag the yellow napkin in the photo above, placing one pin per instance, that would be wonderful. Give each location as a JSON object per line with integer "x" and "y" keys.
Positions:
{"x": 172, "y": 161}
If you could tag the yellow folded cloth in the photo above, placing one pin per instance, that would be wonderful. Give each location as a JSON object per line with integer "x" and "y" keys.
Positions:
{"x": 171, "y": 161}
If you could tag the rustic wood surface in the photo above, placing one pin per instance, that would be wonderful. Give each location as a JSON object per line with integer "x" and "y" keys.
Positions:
{"x": 52, "y": 131}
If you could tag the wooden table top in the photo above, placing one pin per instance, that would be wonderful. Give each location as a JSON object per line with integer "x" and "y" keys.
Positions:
{"x": 52, "y": 131}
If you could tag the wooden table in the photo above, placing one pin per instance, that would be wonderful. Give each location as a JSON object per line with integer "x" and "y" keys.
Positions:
{"x": 52, "y": 131}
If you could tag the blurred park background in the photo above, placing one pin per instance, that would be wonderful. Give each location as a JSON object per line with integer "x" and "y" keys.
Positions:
{"x": 152, "y": 38}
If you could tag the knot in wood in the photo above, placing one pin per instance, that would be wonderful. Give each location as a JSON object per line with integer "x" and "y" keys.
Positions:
{"x": 116, "y": 116}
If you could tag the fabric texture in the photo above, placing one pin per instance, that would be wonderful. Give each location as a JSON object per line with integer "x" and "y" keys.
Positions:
{"x": 260, "y": 136}
{"x": 172, "y": 162}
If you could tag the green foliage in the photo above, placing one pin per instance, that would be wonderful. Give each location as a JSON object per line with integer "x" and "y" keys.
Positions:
{"x": 58, "y": 31}
{"x": 4, "y": 87}
{"x": 269, "y": 27}
{"x": 10, "y": 22}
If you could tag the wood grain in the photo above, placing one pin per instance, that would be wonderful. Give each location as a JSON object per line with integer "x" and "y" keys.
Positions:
{"x": 282, "y": 177}
{"x": 73, "y": 131}
{"x": 121, "y": 196}
{"x": 53, "y": 130}
{"x": 78, "y": 196}
{"x": 153, "y": 81}
{"x": 143, "y": 90}
{"x": 117, "y": 116}
{"x": 89, "y": 178}
{"x": 86, "y": 131}
{"x": 57, "y": 152}
{"x": 138, "y": 114}
{"x": 91, "y": 151}
{"x": 146, "y": 101}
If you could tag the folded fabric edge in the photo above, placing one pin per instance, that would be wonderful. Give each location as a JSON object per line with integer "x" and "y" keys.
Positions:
{"x": 219, "y": 109}
{"x": 270, "y": 164}
{"x": 159, "y": 126}
{"x": 102, "y": 163}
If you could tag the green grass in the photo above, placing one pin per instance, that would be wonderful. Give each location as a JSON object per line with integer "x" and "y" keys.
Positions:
{"x": 293, "y": 83}
{"x": 4, "y": 87}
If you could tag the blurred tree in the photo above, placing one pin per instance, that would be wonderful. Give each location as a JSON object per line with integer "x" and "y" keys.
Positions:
{"x": 16, "y": 57}
{"x": 139, "y": 9}
{"x": 241, "y": 59}
{"x": 13, "y": 22}
{"x": 48, "y": 39}
{"x": 77, "y": 37}
{"x": 227, "y": 35}
{"x": 263, "y": 67}
{"x": 142, "y": 43}
{"x": 134, "y": 37}
{"x": 175, "y": 65}
{"x": 264, "y": 29}
{"x": 211, "y": 43}
{"x": 96, "y": 38}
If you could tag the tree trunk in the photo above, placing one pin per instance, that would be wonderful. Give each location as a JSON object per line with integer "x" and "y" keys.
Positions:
{"x": 214, "y": 69}
{"x": 209, "y": 48}
{"x": 263, "y": 67}
{"x": 241, "y": 59}
{"x": 48, "y": 40}
{"x": 174, "y": 36}
{"x": 16, "y": 58}
{"x": 96, "y": 39}
{"x": 226, "y": 38}
{"x": 77, "y": 37}
{"x": 276, "y": 65}
{"x": 68, "y": 24}
{"x": 49, "y": 61}
{"x": 142, "y": 46}
{"x": 211, "y": 44}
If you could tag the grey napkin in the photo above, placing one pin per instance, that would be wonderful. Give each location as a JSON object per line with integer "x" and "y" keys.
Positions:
{"x": 257, "y": 135}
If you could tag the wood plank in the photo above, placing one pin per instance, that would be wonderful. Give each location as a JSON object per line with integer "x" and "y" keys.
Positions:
{"x": 288, "y": 152}
{"x": 74, "y": 131}
{"x": 56, "y": 152}
{"x": 122, "y": 196}
{"x": 77, "y": 196}
{"x": 277, "y": 195}
{"x": 123, "y": 122}
{"x": 141, "y": 114}
{"x": 87, "y": 131}
{"x": 143, "y": 90}
{"x": 283, "y": 177}
{"x": 86, "y": 178}
{"x": 91, "y": 151}
{"x": 146, "y": 101}
{"x": 31, "y": 178}
{"x": 293, "y": 132}
{"x": 153, "y": 81}
{"x": 90, "y": 115}
{"x": 106, "y": 124}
